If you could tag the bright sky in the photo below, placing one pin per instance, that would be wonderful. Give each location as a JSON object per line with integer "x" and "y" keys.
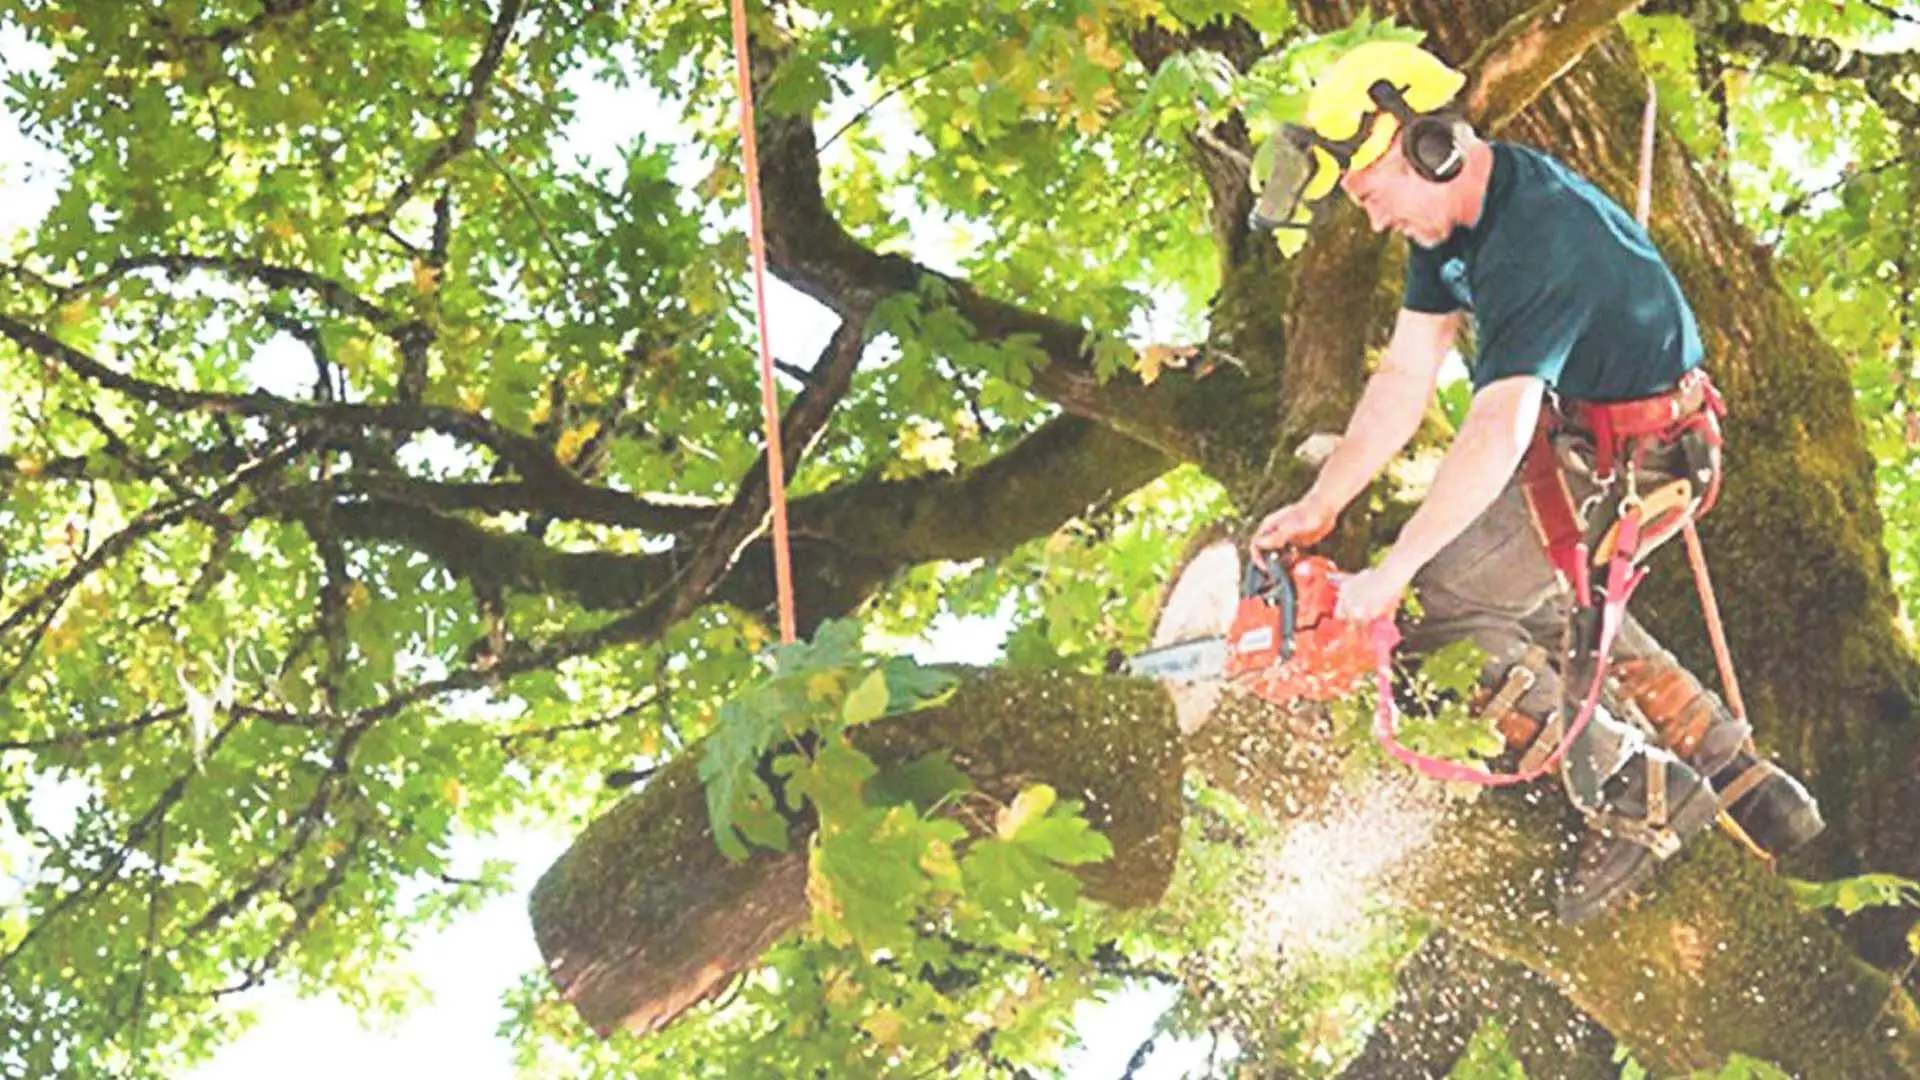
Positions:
{"x": 465, "y": 969}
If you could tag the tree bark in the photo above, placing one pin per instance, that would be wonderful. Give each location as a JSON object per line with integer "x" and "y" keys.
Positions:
{"x": 643, "y": 917}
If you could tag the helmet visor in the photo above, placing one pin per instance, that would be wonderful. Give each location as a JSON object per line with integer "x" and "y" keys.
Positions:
{"x": 1293, "y": 170}
{"x": 1302, "y": 167}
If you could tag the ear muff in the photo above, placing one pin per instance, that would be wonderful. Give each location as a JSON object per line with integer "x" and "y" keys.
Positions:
{"x": 1432, "y": 146}
{"x": 1430, "y": 141}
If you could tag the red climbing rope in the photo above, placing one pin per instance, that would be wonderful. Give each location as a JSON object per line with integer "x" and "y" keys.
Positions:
{"x": 770, "y": 406}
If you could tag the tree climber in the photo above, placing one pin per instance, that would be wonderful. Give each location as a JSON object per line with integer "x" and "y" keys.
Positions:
{"x": 1587, "y": 369}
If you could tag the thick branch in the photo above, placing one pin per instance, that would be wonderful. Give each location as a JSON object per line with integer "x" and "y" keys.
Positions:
{"x": 572, "y": 502}
{"x": 847, "y": 540}
{"x": 1531, "y": 51}
{"x": 533, "y": 460}
{"x": 807, "y": 246}
{"x": 1447, "y": 989}
{"x": 643, "y": 917}
{"x": 805, "y": 419}
{"x": 1879, "y": 74}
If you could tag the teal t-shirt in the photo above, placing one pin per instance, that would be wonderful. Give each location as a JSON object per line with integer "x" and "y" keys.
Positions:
{"x": 1563, "y": 284}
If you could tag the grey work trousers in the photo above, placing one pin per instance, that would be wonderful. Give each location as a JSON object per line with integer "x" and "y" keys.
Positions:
{"x": 1495, "y": 586}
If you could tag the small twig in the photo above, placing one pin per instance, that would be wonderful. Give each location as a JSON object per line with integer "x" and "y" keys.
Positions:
{"x": 1212, "y": 141}
{"x": 1893, "y": 13}
{"x": 1794, "y": 206}
{"x": 527, "y": 204}
{"x": 72, "y": 739}
{"x": 882, "y": 99}
{"x": 508, "y": 740}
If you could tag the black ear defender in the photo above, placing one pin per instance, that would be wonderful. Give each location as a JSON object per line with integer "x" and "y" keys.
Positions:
{"x": 1430, "y": 141}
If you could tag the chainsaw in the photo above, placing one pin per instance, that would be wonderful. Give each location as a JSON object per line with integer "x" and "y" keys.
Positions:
{"x": 1285, "y": 643}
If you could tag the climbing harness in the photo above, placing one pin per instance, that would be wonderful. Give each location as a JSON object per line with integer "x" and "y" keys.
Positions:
{"x": 1597, "y": 548}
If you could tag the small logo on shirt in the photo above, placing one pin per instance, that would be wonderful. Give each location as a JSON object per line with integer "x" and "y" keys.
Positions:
{"x": 1453, "y": 274}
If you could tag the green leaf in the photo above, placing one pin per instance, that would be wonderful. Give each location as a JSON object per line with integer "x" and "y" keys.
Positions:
{"x": 1455, "y": 667}
{"x": 1065, "y": 837}
{"x": 1852, "y": 895}
{"x": 867, "y": 880}
{"x": 923, "y": 782}
{"x": 735, "y": 791}
{"x": 834, "y": 781}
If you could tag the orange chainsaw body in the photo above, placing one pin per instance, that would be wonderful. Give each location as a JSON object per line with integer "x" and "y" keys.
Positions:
{"x": 1286, "y": 643}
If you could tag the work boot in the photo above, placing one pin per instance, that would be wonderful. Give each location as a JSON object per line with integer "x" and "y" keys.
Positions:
{"x": 1773, "y": 809}
{"x": 1630, "y": 834}
{"x": 1686, "y": 717}
{"x": 1768, "y": 805}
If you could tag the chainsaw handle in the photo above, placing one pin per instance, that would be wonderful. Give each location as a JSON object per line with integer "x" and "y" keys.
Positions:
{"x": 1266, "y": 571}
{"x": 1269, "y": 579}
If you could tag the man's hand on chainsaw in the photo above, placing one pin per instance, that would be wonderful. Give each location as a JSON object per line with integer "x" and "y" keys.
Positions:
{"x": 1303, "y": 523}
{"x": 1374, "y": 592}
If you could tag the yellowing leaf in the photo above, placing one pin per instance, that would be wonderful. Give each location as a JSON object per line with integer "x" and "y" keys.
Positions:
{"x": 939, "y": 863}
{"x": 61, "y": 638}
{"x": 822, "y": 685}
{"x": 574, "y": 439}
{"x": 1028, "y": 806}
{"x": 754, "y": 633}
{"x": 926, "y": 444}
{"x": 868, "y": 700}
{"x": 1157, "y": 358}
{"x": 355, "y": 352}
{"x": 821, "y": 899}
{"x": 71, "y": 313}
{"x": 426, "y": 279}
{"x": 886, "y": 1026}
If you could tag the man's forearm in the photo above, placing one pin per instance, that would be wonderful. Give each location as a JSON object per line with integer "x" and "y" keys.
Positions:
{"x": 1386, "y": 418}
{"x": 1477, "y": 467}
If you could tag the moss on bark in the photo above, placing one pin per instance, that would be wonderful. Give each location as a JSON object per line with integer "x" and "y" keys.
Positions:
{"x": 643, "y": 917}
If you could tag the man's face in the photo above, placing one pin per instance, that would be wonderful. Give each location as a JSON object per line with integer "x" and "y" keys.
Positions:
{"x": 1395, "y": 197}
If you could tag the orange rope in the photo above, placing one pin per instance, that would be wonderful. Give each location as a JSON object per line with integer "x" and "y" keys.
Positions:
{"x": 1645, "y": 203}
{"x": 770, "y": 406}
{"x": 1696, "y": 554}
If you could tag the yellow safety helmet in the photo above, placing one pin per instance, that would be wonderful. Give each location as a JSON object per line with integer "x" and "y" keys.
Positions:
{"x": 1374, "y": 94}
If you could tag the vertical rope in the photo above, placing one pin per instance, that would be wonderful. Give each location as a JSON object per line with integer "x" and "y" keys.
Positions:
{"x": 1696, "y": 554}
{"x": 1643, "y": 207}
{"x": 770, "y": 406}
